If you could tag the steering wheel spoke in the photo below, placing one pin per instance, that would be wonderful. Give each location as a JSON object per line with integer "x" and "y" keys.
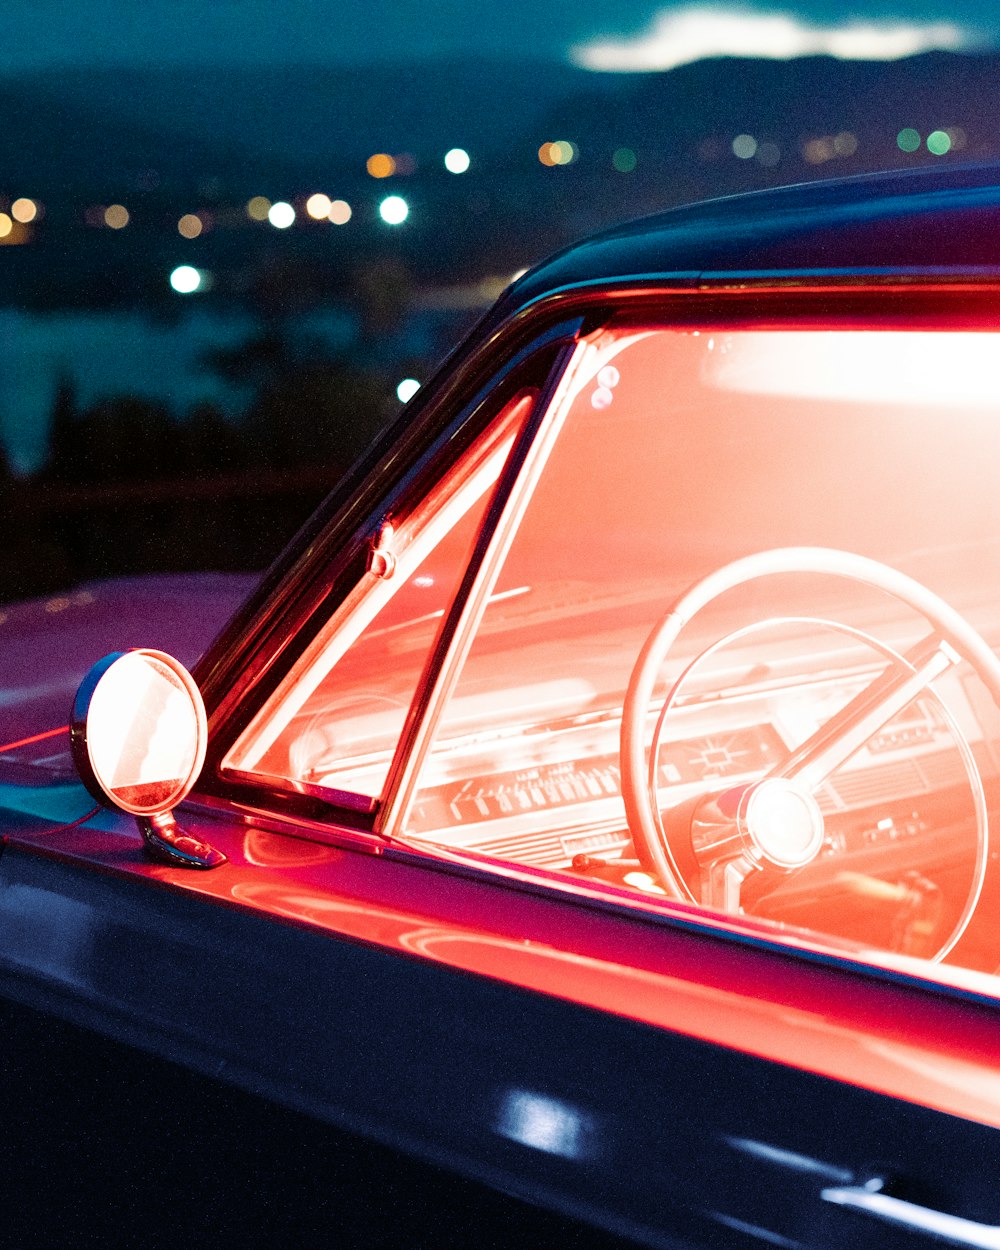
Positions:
{"x": 871, "y": 709}
{"x": 704, "y": 849}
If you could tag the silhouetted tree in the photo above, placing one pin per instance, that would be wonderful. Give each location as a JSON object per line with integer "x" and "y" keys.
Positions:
{"x": 320, "y": 414}
{"x": 211, "y": 444}
{"x": 121, "y": 439}
{"x": 34, "y": 562}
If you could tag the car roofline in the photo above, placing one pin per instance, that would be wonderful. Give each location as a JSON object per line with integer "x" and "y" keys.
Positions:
{"x": 891, "y": 223}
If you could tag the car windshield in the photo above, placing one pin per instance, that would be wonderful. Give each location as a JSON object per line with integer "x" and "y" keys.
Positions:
{"x": 688, "y": 450}
{"x": 830, "y": 494}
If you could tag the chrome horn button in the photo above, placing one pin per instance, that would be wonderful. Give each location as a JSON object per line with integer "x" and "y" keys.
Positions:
{"x": 780, "y": 823}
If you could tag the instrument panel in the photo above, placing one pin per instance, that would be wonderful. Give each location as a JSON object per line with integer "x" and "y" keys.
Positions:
{"x": 563, "y": 797}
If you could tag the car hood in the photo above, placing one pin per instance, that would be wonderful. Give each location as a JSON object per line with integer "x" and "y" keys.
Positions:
{"x": 47, "y": 645}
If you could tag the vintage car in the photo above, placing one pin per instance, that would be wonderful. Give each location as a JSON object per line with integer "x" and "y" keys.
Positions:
{"x": 594, "y": 801}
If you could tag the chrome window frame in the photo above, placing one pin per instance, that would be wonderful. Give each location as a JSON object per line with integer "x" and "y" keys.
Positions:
{"x": 472, "y": 418}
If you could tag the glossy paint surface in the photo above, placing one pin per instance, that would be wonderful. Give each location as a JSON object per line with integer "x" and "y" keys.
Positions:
{"x": 841, "y": 1020}
{"x": 265, "y": 1176}
{"x": 47, "y": 645}
{"x": 636, "y": 1074}
{"x": 584, "y": 1058}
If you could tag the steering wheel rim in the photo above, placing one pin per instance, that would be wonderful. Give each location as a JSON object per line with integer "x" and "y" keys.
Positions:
{"x": 947, "y": 624}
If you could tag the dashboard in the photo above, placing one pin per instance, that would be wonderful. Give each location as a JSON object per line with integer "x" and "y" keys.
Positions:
{"x": 900, "y": 842}
{"x": 574, "y": 768}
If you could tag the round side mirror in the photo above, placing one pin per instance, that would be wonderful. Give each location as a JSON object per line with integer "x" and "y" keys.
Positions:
{"x": 139, "y": 732}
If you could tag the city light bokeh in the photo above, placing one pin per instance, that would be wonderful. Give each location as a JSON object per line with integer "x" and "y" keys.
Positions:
{"x": 281, "y": 215}
{"x": 116, "y": 216}
{"x": 381, "y": 165}
{"x": 745, "y": 147}
{"x": 939, "y": 142}
{"x": 251, "y": 252}
{"x": 258, "y": 208}
{"x": 318, "y": 206}
{"x": 24, "y": 210}
{"x": 340, "y": 212}
{"x": 185, "y": 279}
{"x": 558, "y": 152}
{"x": 394, "y": 210}
{"x": 457, "y": 161}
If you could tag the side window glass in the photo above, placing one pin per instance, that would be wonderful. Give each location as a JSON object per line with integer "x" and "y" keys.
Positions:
{"x": 335, "y": 722}
{"x": 739, "y": 653}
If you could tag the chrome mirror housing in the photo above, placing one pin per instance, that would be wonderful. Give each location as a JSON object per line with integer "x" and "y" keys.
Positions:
{"x": 139, "y": 732}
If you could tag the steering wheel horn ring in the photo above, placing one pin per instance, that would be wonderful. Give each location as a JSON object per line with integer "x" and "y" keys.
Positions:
{"x": 774, "y": 823}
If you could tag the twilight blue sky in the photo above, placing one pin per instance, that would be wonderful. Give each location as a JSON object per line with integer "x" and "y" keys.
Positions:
{"x": 51, "y": 32}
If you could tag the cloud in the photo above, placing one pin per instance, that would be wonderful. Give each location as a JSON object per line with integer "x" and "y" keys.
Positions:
{"x": 691, "y": 34}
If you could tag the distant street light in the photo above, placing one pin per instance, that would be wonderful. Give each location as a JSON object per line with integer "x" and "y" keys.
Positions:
{"x": 394, "y": 210}
{"x": 457, "y": 161}
{"x": 340, "y": 212}
{"x": 185, "y": 280}
{"x": 116, "y": 216}
{"x": 318, "y": 206}
{"x": 258, "y": 208}
{"x": 24, "y": 210}
{"x": 281, "y": 215}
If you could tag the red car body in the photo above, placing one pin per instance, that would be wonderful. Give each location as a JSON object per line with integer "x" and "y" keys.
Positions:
{"x": 654, "y": 1067}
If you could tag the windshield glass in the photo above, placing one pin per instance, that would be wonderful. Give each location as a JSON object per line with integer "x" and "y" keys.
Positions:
{"x": 852, "y": 671}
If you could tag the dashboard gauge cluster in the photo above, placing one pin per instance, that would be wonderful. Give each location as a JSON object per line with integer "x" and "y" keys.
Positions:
{"x": 570, "y": 792}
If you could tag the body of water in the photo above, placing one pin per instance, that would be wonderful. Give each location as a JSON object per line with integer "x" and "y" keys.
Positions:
{"x": 103, "y": 355}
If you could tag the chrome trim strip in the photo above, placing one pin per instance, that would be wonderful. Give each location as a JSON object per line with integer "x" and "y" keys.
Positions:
{"x": 727, "y": 281}
{"x": 954, "y": 1229}
{"x": 513, "y": 492}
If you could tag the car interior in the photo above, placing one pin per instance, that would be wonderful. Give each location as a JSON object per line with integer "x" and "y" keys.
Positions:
{"x": 760, "y": 559}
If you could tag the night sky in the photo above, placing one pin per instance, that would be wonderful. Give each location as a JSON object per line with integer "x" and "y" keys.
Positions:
{"x": 50, "y": 32}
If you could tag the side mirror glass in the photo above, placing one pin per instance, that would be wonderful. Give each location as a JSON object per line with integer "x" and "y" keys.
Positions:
{"x": 139, "y": 731}
{"x": 139, "y": 734}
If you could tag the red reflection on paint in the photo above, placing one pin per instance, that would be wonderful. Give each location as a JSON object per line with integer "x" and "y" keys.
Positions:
{"x": 25, "y": 742}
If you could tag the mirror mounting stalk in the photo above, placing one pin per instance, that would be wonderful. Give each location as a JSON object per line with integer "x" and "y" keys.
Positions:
{"x": 138, "y": 732}
{"x": 166, "y": 842}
